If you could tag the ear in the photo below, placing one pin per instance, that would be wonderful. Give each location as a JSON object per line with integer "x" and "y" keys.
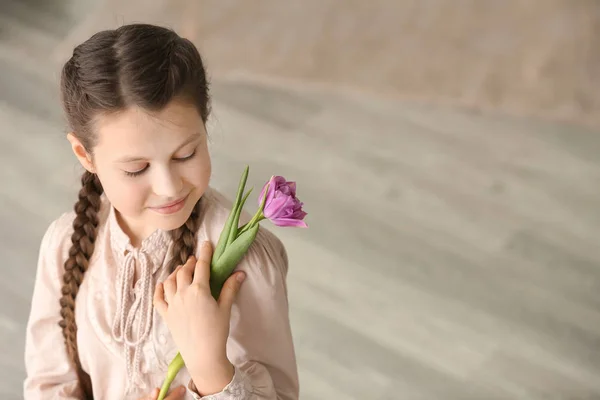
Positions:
{"x": 81, "y": 153}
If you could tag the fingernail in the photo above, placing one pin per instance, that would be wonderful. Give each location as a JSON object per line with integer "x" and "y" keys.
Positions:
{"x": 241, "y": 276}
{"x": 182, "y": 389}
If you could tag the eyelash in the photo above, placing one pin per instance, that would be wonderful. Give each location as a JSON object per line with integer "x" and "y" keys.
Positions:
{"x": 141, "y": 171}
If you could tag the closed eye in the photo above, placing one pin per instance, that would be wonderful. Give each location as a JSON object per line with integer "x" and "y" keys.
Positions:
{"x": 141, "y": 171}
{"x": 186, "y": 158}
{"x": 138, "y": 172}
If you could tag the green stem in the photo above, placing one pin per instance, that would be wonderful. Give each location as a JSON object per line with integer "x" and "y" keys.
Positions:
{"x": 256, "y": 219}
{"x": 259, "y": 216}
{"x": 172, "y": 371}
{"x": 178, "y": 363}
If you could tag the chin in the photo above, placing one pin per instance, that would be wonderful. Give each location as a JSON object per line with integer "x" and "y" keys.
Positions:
{"x": 169, "y": 222}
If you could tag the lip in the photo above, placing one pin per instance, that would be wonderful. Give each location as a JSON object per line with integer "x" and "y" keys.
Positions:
{"x": 171, "y": 207}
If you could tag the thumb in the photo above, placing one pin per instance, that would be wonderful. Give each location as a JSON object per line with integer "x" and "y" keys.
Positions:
{"x": 230, "y": 290}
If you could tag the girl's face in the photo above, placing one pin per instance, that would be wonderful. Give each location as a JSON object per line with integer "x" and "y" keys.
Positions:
{"x": 154, "y": 167}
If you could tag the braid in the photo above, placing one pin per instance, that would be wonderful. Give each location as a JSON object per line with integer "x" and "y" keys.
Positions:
{"x": 184, "y": 239}
{"x": 85, "y": 229}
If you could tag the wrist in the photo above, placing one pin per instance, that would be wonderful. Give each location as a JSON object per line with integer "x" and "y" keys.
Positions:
{"x": 212, "y": 379}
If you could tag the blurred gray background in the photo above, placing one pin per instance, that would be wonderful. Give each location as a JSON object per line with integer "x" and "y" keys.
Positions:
{"x": 448, "y": 154}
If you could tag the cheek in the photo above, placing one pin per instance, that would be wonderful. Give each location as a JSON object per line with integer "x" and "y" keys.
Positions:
{"x": 198, "y": 172}
{"x": 127, "y": 194}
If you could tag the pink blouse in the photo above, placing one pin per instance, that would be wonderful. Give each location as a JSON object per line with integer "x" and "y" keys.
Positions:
{"x": 124, "y": 345}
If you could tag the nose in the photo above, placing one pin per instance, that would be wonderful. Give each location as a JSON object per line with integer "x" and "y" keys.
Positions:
{"x": 167, "y": 183}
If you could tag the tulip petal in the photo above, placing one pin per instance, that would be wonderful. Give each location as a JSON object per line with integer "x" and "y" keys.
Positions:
{"x": 288, "y": 222}
{"x": 281, "y": 205}
{"x": 270, "y": 193}
{"x": 278, "y": 207}
{"x": 298, "y": 214}
{"x": 292, "y": 186}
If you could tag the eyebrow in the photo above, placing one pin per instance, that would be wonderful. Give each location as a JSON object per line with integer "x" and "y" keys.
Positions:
{"x": 128, "y": 159}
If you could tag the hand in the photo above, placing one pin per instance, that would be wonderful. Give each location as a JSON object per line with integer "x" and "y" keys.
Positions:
{"x": 176, "y": 394}
{"x": 198, "y": 324}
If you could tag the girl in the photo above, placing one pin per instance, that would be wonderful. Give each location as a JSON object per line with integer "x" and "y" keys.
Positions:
{"x": 122, "y": 281}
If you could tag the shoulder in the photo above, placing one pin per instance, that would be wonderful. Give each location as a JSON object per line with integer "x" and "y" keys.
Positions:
{"x": 58, "y": 233}
{"x": 57, "y": 238}
{"x": 266, "y": 252}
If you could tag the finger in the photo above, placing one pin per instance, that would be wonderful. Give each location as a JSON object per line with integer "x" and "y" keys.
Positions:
{"x": 176, "y": 394}
{"x": 171, "y": 285}
{"x": 202, "y": 272}
{"x": 159, "y": 300}
{"x": 152, "y": 396}
{"x": 185, "y": 273}
{"x": 229, "y": 292}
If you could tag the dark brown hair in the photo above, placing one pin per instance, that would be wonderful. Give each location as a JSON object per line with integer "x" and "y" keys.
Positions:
{"x": 135, "y": 65}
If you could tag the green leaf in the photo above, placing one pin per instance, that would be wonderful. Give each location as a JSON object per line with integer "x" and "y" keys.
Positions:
{"x": 229, "y": 226}
{"x": 236, "y": 220}
{"x": 229, "y": 260}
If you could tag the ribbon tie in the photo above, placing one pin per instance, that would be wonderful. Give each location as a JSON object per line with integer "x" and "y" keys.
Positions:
{"x": 133, "y": 304}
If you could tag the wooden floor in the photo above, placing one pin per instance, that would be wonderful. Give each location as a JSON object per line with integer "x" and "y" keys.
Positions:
{"x": 450, "y": 255}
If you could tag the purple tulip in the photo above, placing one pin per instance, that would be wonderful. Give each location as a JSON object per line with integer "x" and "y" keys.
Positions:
{"x": 281, "y": 205}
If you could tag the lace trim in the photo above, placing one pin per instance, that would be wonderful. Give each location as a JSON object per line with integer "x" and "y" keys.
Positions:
{"x": 238, "y": 389}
